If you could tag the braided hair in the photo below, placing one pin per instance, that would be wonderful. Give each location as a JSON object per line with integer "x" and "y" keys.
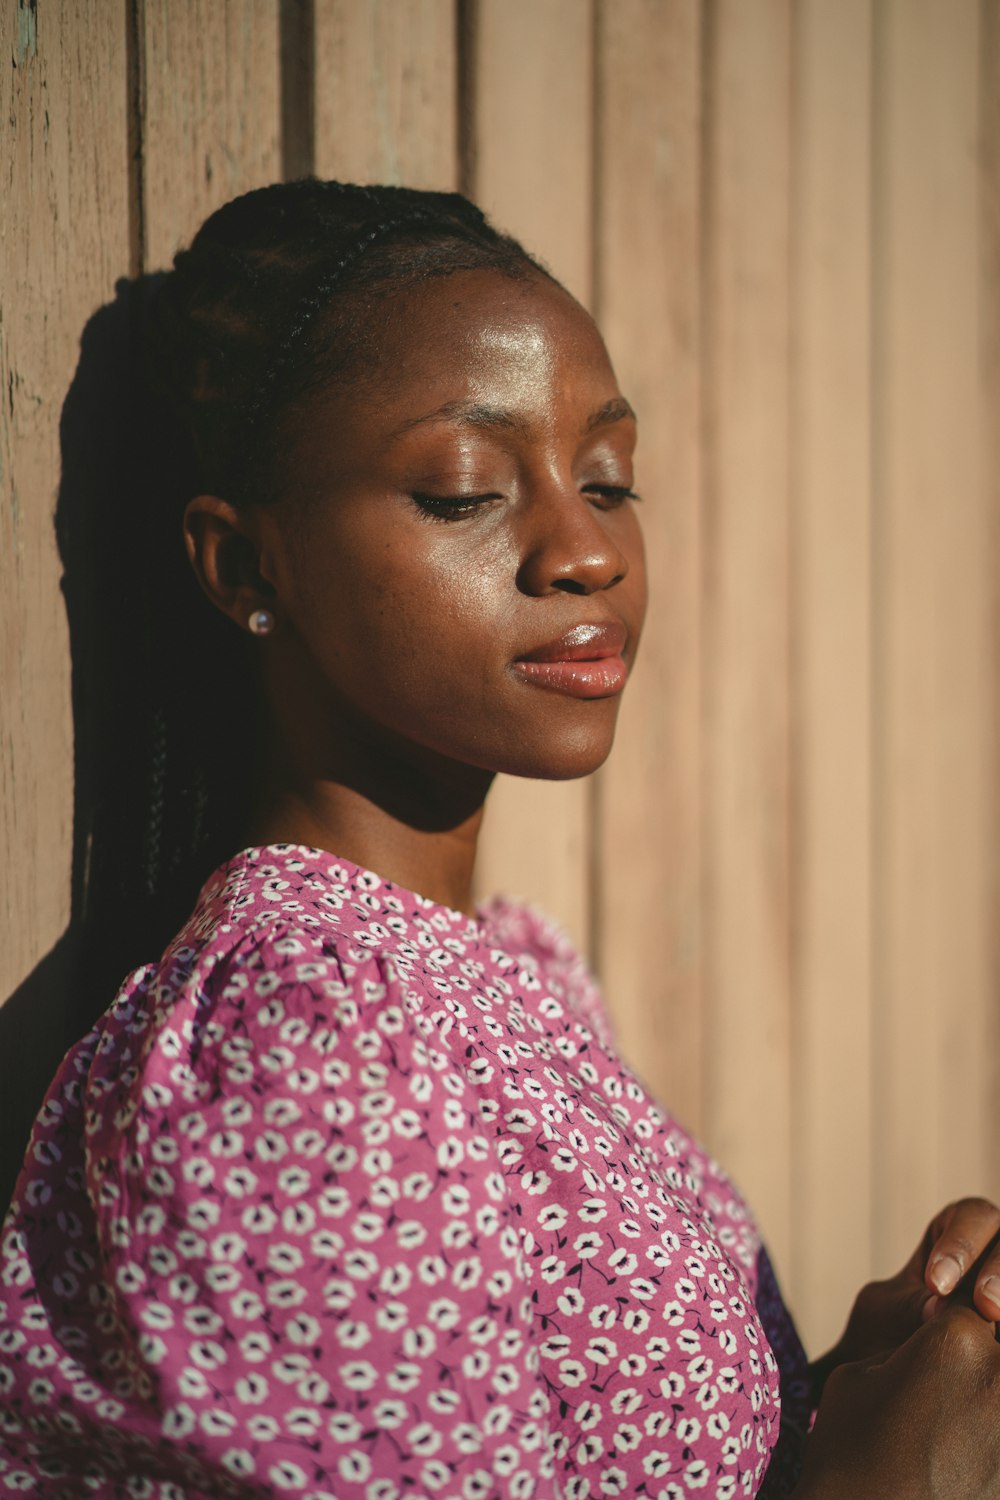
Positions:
{"x": 280, "y": 293}
{"x": 273, "y": 298}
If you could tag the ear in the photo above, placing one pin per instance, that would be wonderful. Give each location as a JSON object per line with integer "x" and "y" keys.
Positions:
{"x": 224, "y": 549}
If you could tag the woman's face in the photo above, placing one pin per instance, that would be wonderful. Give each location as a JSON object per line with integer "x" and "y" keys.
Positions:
{"x": 455, "y": 556}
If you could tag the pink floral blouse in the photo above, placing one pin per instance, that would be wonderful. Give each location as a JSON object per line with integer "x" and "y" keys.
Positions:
{"x": 350, "y": 1196}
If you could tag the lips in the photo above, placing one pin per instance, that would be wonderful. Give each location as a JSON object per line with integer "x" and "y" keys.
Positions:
{"x": 586, "y": 661}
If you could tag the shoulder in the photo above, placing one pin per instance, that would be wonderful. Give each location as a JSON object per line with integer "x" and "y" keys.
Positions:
{"x": 547, "y": 954}
{"x": 281, "y": 886}
{"x": 282, "y": 918}
{"x": 271, "y": 973}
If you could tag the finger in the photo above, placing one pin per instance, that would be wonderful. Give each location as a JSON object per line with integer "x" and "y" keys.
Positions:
{"x": 967, "y": 1229}
{"x": 964, "y": 1231}
{"x": 964, "y": 1331}
{"x": 958, "y": 1334}
{"x": 986, "y": 1296}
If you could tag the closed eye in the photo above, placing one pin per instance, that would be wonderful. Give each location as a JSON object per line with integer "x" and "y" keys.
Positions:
{"x": 447, "y": 507}
{"x": 610, "y": 495}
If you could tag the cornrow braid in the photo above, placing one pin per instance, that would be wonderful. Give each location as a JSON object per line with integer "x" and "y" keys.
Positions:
{"x": 317, "y": 298}
{"x": 277, "y": 295}
{"x": 265, "y": 306}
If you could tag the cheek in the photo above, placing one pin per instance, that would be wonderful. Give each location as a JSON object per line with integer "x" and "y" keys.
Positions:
{"x": 414, "y": 605}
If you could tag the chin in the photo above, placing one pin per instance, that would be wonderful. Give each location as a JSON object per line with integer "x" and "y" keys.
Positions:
{"x": 564, "y": 757}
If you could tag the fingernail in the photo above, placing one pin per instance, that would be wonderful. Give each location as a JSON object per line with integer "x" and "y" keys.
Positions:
{"x": 946, "y": 1273}
{"x": 990, "y": 1289}
{"x": 930, "y": 1307}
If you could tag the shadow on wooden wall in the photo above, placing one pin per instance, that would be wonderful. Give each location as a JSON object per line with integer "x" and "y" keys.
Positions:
{"x": 33, "y": 1036}
{"x": 141, "y": 640}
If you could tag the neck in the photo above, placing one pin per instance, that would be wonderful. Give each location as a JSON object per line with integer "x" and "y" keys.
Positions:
{"x": 411, "y": 821}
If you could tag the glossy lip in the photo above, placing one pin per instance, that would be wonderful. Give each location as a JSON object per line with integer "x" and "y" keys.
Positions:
{"x": 582, "y": 643}
{"x": 584, "y": 662}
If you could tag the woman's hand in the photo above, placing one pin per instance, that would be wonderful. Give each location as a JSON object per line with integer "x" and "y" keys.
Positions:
{"x": 958, "y": 1259}
{"x": 964, "y": 1237}
{"x": 921, "y": 1424}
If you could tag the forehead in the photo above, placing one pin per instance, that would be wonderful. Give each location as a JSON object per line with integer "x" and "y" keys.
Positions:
{"x": 482, "y": 335}
{"x": 520, "y": 346}
{"x": 485, "y": 320}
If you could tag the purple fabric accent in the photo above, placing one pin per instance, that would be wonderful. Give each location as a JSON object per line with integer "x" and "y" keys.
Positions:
{"x": 350, "y": 1195}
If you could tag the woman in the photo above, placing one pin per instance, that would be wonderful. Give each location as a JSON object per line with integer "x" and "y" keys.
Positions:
{"x": 349, "y": 1194}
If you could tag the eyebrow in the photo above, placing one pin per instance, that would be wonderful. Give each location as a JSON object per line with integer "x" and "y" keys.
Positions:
{"x": 615, "y": 410}
{"x": 479, "y": 414}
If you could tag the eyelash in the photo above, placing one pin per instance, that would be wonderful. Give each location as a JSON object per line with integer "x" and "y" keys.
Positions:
{"x": 613, "y": 494}
{"x": 449, "y": 507}
{"x": 446, "y": 507}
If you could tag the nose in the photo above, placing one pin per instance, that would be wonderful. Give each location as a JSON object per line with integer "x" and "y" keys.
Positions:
{"x": 569, "y": 547}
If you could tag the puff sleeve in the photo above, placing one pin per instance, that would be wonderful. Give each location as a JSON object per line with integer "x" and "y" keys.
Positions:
{"x": 311, "y": 1281}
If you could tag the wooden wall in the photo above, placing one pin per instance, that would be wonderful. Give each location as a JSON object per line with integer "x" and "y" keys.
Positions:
{"x": 785, "y": 214}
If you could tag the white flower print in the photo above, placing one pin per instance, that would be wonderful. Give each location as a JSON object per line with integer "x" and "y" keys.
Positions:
{"x": 389, "y": 1217}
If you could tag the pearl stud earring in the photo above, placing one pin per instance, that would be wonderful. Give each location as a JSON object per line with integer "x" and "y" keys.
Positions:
{"x": 261, "y": 622}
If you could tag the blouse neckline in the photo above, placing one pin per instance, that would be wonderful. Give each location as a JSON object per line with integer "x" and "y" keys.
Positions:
{"x": 324, "y": 862}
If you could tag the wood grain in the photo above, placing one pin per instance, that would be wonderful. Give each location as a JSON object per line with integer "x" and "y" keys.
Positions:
{"x": 387, "y": 92}
{"x": 935, "y": 643}
{"x": 648, "y": 873}
{"x": 788, "y": 216}
{"x": 210, "y": 73}
{"x": 532, "y": 172}
{"x": 989, "y": 398}
{"x": 65, "y": 241}
{"x": 745, "y": 604}
{"x": 831, "y": 576}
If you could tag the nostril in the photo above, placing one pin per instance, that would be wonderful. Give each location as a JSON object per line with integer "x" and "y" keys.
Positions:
{"x": 570, "y": 586}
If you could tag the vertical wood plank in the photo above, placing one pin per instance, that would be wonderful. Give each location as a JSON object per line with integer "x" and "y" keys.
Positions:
{"x": 211, "y": 113}
{"x": 648, "y": 847}
{"x": 532, "y": 173}
{"x": 387, "y": 92}
{"x": 989, "y": 396}
{"x": 746, "y": 581}
{"x": 533, "y": 70}
{"x": 936, "y": 657}
{"x": 65, "y": 241}
{"x": 831, "y": 646}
